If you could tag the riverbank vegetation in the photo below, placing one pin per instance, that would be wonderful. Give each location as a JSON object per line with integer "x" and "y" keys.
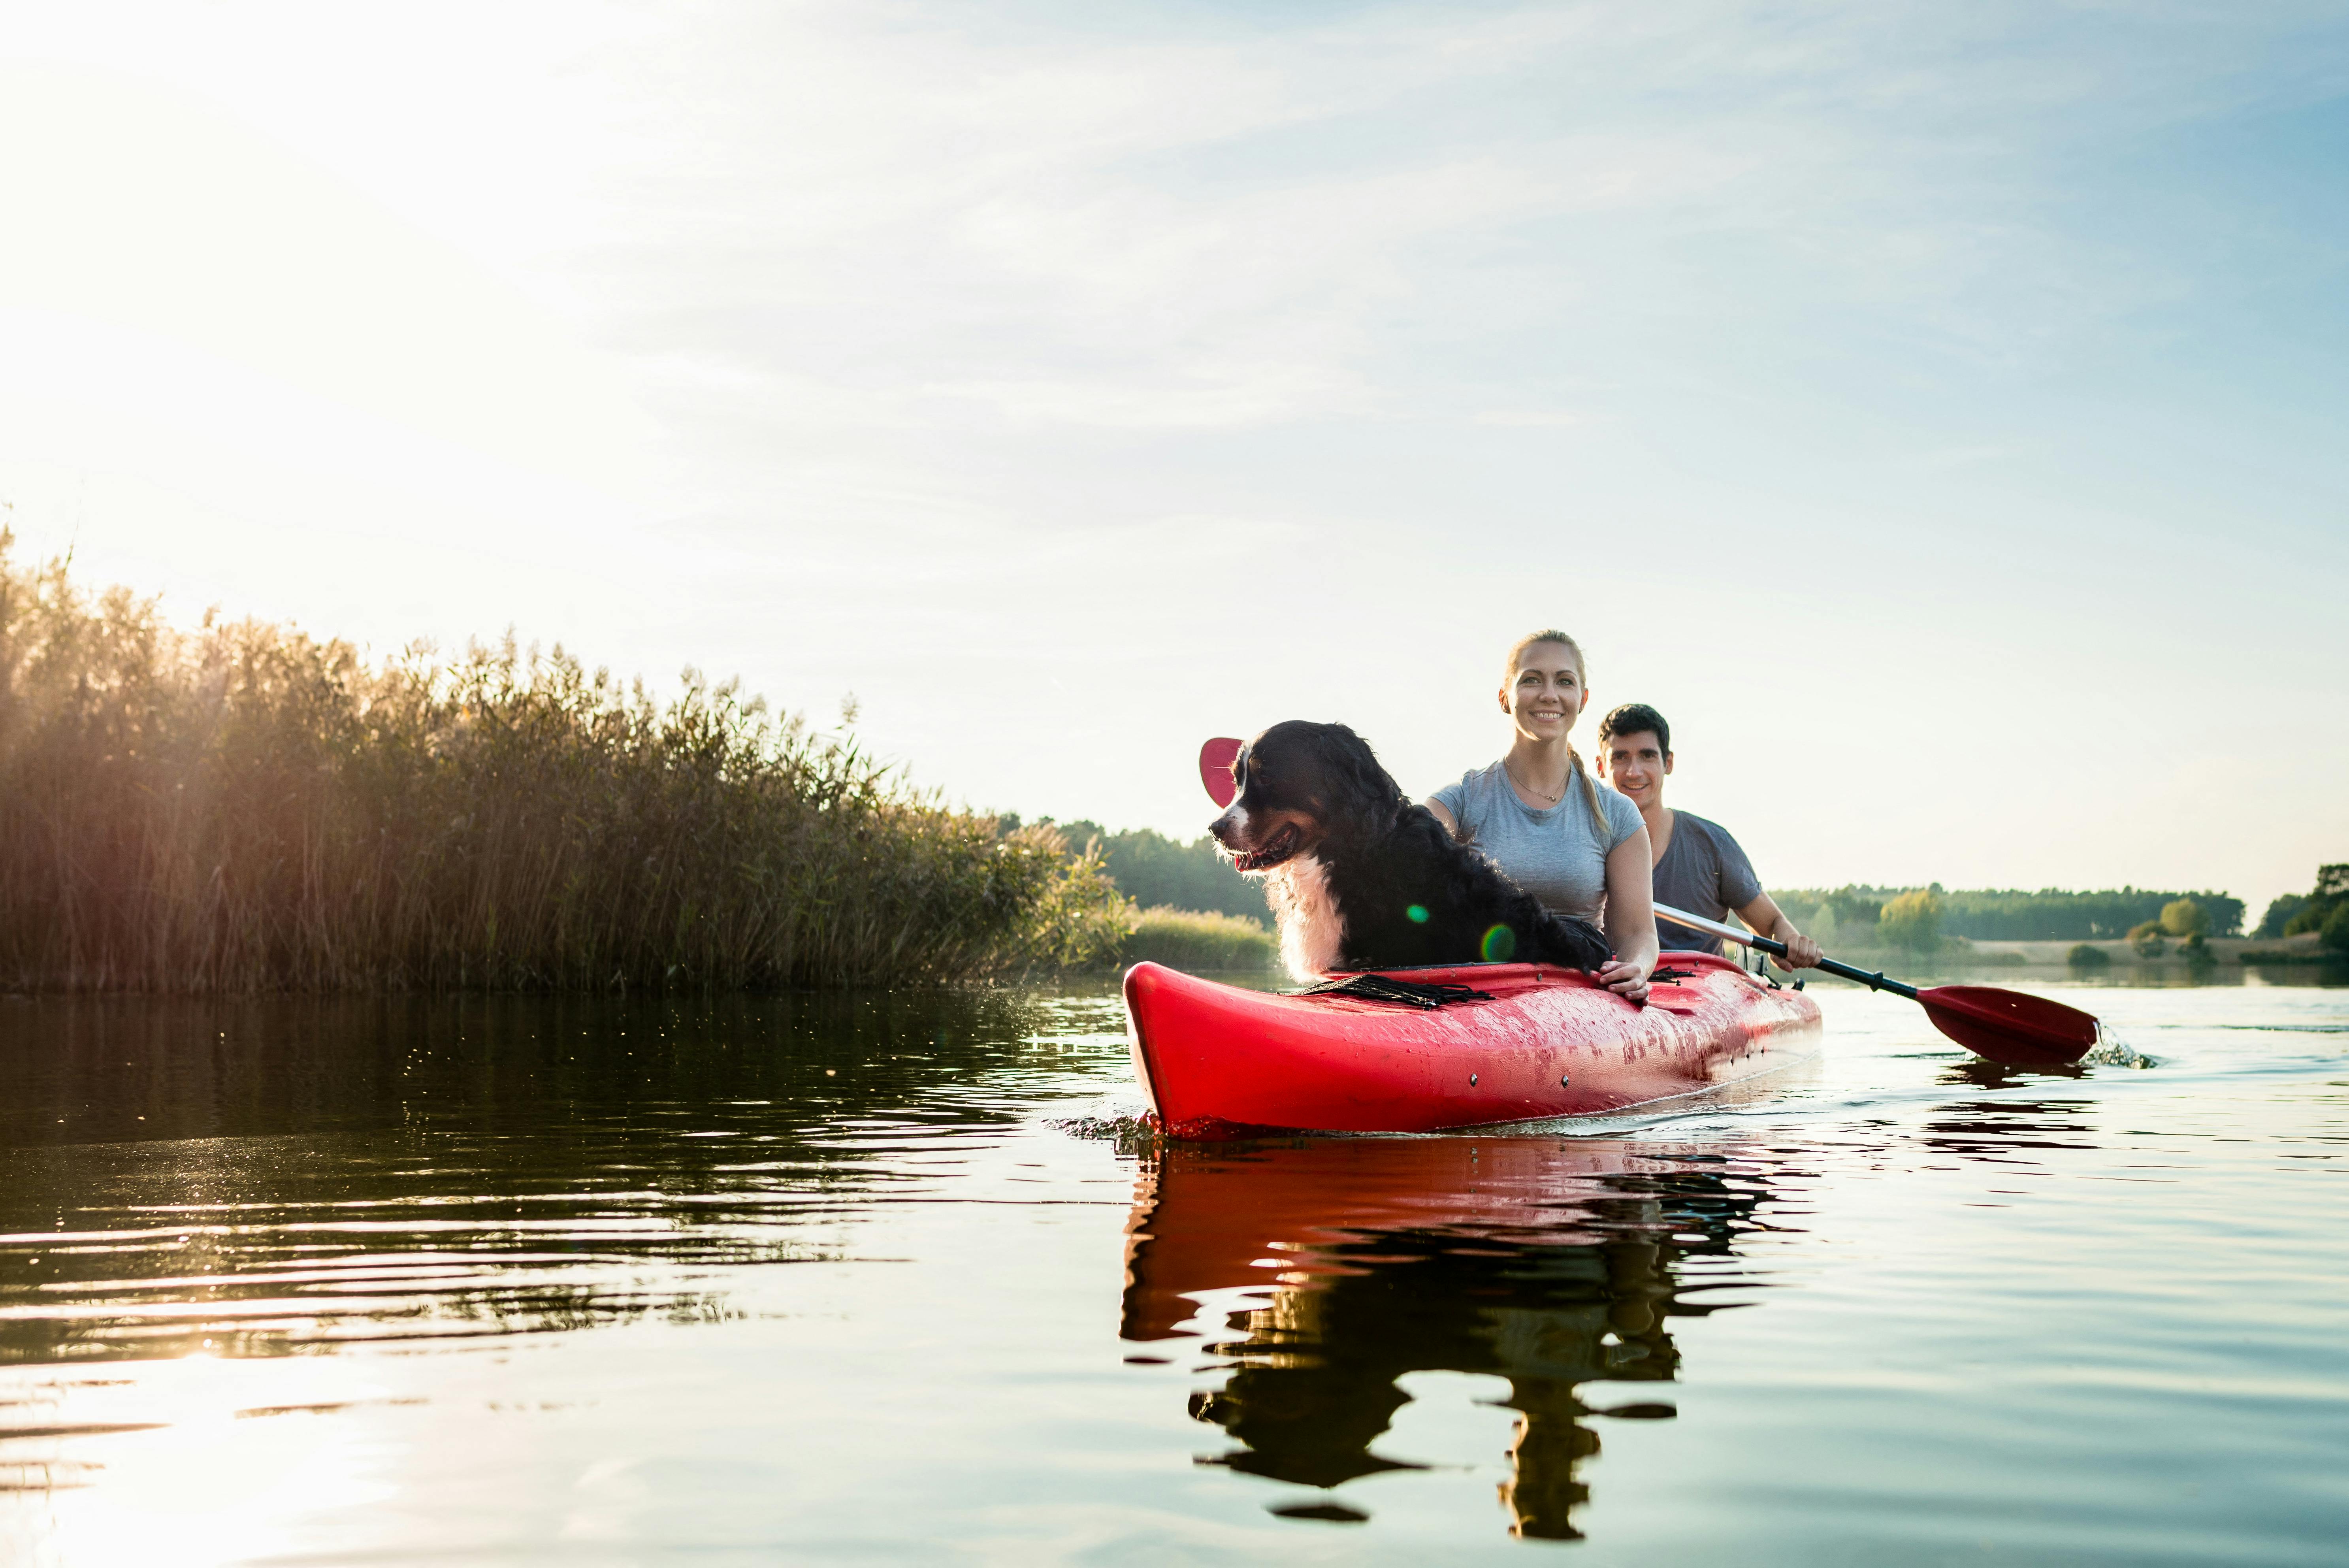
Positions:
{"x": 2324, "y": 910}
{"x": 1196, "y": 940}
{"x": 242, "y": 806}
{"x": 1913, "y": 919}
{"x": 1156, "y": 871}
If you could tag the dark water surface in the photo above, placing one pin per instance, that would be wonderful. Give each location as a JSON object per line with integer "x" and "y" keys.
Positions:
{"x": 897, "y": 1279}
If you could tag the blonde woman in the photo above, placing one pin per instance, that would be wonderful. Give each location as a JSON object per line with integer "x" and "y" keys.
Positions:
{"x": 1543, "y": 817}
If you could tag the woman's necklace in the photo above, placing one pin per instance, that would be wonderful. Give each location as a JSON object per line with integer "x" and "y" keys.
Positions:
{"x": 1529, "y": 789}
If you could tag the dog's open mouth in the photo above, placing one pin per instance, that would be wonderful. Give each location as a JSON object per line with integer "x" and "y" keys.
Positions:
{"x": 1273, "y": 851}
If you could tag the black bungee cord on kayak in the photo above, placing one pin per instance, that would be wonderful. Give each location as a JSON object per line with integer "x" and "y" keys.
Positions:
{"x": 1428, "y": 995}
{"x": 1423, "y": 994}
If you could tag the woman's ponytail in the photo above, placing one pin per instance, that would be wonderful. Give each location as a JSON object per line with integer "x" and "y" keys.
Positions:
{"x": 1589, "y": 791}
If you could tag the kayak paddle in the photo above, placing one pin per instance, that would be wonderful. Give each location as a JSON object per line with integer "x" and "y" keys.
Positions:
{"x": 2000, "y": 1025}
{"x": 1215, "y": 759}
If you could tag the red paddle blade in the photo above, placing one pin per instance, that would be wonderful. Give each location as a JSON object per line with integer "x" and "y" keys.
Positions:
{"x": 1215, "y": 759}
{"x": 2010, "y": 1027}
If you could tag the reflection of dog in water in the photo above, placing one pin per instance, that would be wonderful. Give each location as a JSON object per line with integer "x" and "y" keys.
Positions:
{"x": 1361, "y": 877}
{"x": 1316, "y": 1384}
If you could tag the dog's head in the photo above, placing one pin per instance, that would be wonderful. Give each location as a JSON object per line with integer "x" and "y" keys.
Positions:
{"x": 1301, "y": 786}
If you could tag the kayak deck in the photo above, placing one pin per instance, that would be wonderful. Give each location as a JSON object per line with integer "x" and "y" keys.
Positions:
{"x": 1216, "y": 1061}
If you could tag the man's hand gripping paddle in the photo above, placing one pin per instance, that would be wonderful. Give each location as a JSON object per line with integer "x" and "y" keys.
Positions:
{"x": 2003, "y": 1026}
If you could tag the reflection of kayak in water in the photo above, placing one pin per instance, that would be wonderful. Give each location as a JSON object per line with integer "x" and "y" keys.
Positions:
{"x": 1537, "y": 1042}
{"x": 1209, "y": 1219}
{"x": 1548, "y": 1262}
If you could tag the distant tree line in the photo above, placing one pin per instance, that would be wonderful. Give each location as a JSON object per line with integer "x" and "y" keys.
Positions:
{"x": 1156, "y": 871}
{"x": 2051, "y": 914}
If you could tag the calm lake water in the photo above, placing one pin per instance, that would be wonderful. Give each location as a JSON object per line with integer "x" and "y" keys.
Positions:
{"x": 896, "y": 1279}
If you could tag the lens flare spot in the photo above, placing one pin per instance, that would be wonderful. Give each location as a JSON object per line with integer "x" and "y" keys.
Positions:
{"x": 1418, "y": 913}
{"x": 1500, "y": 945}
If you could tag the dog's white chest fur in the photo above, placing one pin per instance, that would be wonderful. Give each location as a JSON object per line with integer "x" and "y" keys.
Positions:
{"x": 1311, "y": 928}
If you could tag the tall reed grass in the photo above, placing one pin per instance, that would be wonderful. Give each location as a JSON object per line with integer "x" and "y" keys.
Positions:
{"x": 243, "y": 807}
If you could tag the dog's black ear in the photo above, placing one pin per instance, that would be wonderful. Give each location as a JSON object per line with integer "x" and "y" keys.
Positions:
{"x": 1366, "y": 800}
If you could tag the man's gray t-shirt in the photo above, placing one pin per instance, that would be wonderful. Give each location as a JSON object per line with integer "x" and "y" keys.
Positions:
{"x": 1554, "y": 854}
{"x": 1705, "y": 872}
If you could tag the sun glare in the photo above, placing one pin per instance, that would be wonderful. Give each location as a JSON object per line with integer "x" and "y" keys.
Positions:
{"x": 196, "y": 1461}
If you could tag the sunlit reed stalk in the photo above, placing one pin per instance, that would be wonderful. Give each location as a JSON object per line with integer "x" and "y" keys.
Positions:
{"x": 244, "y": 807}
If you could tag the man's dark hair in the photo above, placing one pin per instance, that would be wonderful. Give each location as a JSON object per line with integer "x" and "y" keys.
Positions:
{"x": 1631, "y": 719}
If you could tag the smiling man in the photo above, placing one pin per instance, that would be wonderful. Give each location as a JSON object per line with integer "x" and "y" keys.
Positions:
{"x": 1698, "y": 866}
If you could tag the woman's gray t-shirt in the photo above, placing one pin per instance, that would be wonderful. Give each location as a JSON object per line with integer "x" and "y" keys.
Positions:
{"x": 1554, "y": 854}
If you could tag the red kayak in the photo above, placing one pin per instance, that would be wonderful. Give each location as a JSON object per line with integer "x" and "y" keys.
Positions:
{"x": 1532, "y": 1041}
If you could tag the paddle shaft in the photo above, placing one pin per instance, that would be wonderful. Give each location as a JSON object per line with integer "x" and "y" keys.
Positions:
{"x": 1876, "y": 982}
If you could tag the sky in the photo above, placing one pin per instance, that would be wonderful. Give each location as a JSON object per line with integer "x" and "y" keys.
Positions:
{"x": 1937, "y": 412}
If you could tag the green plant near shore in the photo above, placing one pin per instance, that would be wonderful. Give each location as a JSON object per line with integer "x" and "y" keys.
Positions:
{"x": 1913, "y": 920}
{"x": 2084, "y": 956}
{"x": 2185, "y": 917}
{"x": 243, "y": 806}
{"x": 2325, "y": 910}
{"x": 2281, "y": 909}
{"x": 1197, "y": 940}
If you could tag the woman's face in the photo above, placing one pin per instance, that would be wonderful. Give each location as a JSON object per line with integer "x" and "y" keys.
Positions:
{"x": 1546, "y": 696}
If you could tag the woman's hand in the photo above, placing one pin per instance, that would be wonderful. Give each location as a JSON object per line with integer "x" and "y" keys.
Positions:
{"x": 1630, "y": 918}
{"x": 1628, "y": 980}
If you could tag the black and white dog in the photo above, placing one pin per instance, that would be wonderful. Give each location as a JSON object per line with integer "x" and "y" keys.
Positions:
{"x": 1361, "y": 877}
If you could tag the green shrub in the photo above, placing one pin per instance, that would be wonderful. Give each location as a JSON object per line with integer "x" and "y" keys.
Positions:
{"x": 2147, "y": 939}
{"x": 2281, "y": 909}
{"x": 1197, "y": 940}
{"x": 2335, "y": 931}
{"x": 2084, "y": 956}
{"x": 2316, "y": 911}
{"x": 1913, "y": 920}
{"x": 244, "y": 807}
{"x": 2184, "y": 917}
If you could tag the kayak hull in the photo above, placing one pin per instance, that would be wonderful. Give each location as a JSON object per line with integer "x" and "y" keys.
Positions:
{"x": 1220, "y": 1061}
